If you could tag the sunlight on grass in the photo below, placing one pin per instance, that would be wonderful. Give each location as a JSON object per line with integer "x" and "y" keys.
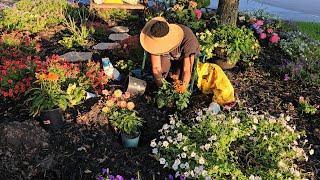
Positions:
{"x": 312, "y": 29}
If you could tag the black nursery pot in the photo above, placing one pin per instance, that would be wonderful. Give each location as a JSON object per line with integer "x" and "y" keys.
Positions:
{"x": 51, "y": 120}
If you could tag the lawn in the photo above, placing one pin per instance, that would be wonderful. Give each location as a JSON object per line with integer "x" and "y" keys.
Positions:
{"x": 312, "y": 29}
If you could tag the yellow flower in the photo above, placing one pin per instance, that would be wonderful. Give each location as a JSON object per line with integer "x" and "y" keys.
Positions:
{"x": 109, "y": 103}
{"x": 105, "y": 92}
{"x": 130, "y": 105}
{"x": 117, "y": 93}
{"x": 105, "y": 109}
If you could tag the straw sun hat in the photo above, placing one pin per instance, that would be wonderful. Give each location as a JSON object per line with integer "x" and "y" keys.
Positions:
{"x": 155, "y": 44}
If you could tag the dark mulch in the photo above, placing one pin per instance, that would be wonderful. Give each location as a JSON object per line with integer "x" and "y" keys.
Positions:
{"x": 80, "y": 151}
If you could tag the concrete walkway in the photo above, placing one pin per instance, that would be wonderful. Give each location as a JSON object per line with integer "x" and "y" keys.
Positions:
{"x": 298, "y": 10}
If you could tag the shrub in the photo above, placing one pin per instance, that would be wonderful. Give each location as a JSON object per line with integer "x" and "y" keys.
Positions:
{"x": 33, "y": 16}
{"x": 230, "y": 43}
{"x": 235, "y": 145}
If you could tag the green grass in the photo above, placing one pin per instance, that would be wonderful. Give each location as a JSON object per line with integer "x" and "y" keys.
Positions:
{"x": 312, "y": 29}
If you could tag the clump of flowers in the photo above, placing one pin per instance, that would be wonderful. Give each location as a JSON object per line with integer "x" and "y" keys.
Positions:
{"x": 120, "y": 111}
{"x": 105, "y": 175}
{"x": 248, "y": 144}
{"x": 130, "y": 48}
{"x": 20, "y": 41}
{"x": 17, "y": 76}
{"x": 306, "y": 107}
{"x": 174, "y": 94}
{"x": 186, "y": 14}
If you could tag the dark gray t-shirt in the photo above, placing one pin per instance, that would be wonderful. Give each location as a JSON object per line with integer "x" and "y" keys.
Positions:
{"x": 189, "y": 45}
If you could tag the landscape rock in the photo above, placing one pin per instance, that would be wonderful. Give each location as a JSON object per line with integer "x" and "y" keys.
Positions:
{"x": 118, "y": 37}
{"x": 120, "y": 29}
{"x": 77, "y": 56}
{"x": 106, "y": 46}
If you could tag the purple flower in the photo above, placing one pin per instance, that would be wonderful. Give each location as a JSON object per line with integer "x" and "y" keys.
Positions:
{"x": 111, "y": 177}
{"x": 170, "y": 177}
{"x": 259, "y": 31}
{"x": 104, "y": 170}
{"x": 293, "y": 75}
{"x": 283, "y": 67}
{"x": 313, "y": 78}
{"x": 309, "y": 67}
{"x": 254, "y": 26}
{"x": 286, "y": 77}
{"x": 182, "y": 177}
{"x": 295, "y": 69}
{"x": 132, "y": 178}
{"x": 100, "y": 178}
{"x": 119, "y": 177}
{"x": 257, "y": 27}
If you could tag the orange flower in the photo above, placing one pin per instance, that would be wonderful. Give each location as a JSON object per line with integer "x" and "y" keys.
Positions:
{"x": 117, "y": 93}
{"x": 173, "y": 76}
{"x": 40, "y": 76}
{"x": 109, "y": 103}
{"x": 126, "y": 95}
{"x": 52, "y": 77}
{"x": 130, "y": 106}
{"x": 181, "y": 88}
{"x": 123, "y": 104}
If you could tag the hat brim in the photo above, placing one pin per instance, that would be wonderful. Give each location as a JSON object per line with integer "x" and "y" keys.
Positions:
{"x": 164, "y": 44}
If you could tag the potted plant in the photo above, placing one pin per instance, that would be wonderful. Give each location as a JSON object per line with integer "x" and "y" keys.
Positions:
{"x": 227, "y": 44}
{"x": 174, "y": 94}
{"x": 122, "y": 116}
{"x": 56, "y": 87}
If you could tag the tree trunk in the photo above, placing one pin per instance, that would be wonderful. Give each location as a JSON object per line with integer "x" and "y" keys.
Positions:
{"x": 228, "y": 12}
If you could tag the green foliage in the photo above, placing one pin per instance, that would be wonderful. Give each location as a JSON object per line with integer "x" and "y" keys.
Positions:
{"x": 33, "y": 15}
{"x": 229, "y": 43}
{"x": 116, "y": 15}
{"x": 186, "y": 15}
{"x": 75, "y": 95}
{"x": 125, "y": 120}
{"x": 125, "y": 65}
{"x": 306, "y": 107}
{"x": 174, "y": 94}
{"x": 235, "y": 145}
{"x": 79, "y": 35}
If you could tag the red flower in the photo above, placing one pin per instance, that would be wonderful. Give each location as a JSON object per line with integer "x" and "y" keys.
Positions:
{"x": 13, "y": 68}
{"x": 9, "y": 81}
{"x": 10, "y": 93}
{"x": 30, "y": 78}
{"x": 263, "y": 35}
{"x": 5, "y": 94}
{"x": 28, "y": 84}
{"x": 270, "y": 30}
{"x": 22, "y": 88}
{"x": 17, "y": 87}
{"x": 275, "y": 38}
{"x": 16, "y": 91}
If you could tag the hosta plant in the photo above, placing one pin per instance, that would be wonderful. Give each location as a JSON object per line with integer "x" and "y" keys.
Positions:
{"x": 174, "y": 94}
{"x": 234, "y": 145}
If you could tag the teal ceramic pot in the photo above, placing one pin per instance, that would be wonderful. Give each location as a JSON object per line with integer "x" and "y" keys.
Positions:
{"x": 130, "y": 141}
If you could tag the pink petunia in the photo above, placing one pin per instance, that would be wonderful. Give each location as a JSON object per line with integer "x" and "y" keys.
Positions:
{"x": 274, "y": 38}
{"x": 270, "y": 30}
{"x": 198, "y": 13}
{"x": 263, "y": 35}
{"x": 260, "y": 22}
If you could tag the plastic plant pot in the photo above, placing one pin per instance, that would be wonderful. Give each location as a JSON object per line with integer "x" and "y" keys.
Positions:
{"x": 51, "y": 120}
{"x": 130, "y": 141}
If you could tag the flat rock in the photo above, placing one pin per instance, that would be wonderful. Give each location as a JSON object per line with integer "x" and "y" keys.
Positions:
{"x": 120, "y": 29}
{"x": 104, "y": 46}
{"x": 118, "y": 37}
{"x": 77, "y": 56}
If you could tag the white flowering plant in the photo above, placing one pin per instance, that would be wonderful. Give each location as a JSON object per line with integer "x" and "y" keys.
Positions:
{"x": 235, "y": 145}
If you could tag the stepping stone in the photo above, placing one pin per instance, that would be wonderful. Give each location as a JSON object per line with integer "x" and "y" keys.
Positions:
{"x": 103, "y": 46}
{"x": 77, "y": 56}
{"x": 120, "y": 29}
{"x": 119, "y": 37}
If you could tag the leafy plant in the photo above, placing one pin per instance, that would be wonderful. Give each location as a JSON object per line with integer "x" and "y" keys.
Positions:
{"x": 121, "y": 113}
{"x": 187, "y": 15}
{"x": 33, "y": 15}
{"x": 79, "y": 35}
{"x": 306, "y": 107}
{"x": 229, "y": 43}
{"x": 130, "y": 48}
{"x": 125, "y": 65}
{"x": 234, "y": 145}
{"x": 174, "y": 94}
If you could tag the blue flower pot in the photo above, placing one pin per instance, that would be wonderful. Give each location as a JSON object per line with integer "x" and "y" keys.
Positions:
{"x": 130, "y": 141}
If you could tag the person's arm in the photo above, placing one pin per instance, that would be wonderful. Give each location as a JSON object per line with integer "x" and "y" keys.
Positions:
{"x": 156, "y": 69}
{"x": 187, "y": 68}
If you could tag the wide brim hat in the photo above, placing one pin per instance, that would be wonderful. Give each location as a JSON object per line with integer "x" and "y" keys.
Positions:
{"x": 160, "y": 45}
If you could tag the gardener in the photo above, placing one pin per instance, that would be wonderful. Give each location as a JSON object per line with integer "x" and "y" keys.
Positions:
{"x": 169, "y": 44}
